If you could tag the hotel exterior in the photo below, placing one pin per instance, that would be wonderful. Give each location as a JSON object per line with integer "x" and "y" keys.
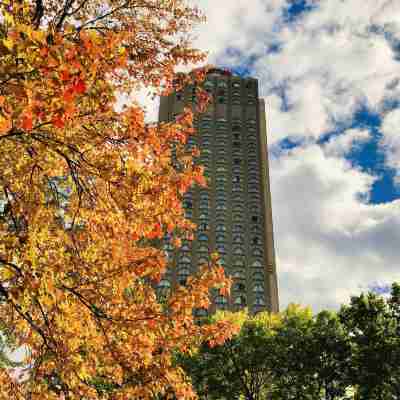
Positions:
{"x": 233, "y": 213}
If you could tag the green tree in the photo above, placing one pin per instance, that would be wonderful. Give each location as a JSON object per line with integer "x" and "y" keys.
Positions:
{"x": 373, "y": 324}
{"x": 238, "y": 369}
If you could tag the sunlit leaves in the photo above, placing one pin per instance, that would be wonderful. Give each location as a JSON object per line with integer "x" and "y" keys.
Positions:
{"x": 87, "y": 194}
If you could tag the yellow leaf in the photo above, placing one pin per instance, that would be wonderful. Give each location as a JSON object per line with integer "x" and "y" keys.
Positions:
{"x": 8, "y": 43}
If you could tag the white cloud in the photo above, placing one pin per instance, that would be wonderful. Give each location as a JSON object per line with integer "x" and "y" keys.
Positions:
{"x": 344, "y": 143}
{"x": 329, "y": 243}
{"x": 390, "y": 141}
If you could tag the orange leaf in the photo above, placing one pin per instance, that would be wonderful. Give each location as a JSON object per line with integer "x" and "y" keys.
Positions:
{"x": 80, "y": 86}
{"x": 58, "y": 121}
{"x": 27, "y": 122}
{"x": 64, "y": 75}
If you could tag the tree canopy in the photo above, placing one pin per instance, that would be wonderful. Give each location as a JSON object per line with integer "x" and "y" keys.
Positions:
{"x": 350, "y": 354}
{"x": 86, "y": 193}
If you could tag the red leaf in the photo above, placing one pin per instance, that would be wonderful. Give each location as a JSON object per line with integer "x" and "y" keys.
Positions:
{"x": 80, "y": 86}
{"x": 58, "y": 121}
{"x": 64, "y": 75}
{"x": 27, "y": 123}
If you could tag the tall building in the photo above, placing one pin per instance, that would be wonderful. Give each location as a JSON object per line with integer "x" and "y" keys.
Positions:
{"x": 233, "y": 214}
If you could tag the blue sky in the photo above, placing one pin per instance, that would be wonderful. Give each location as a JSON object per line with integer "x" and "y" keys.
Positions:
{"x": 329, "y": 73}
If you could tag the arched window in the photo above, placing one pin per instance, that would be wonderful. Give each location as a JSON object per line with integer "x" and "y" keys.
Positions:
{"x": 220, "y": 228}
{"x": 259, "y": 301}
{"x": 258, "y": 288}
{"x": 200, "y": 312}
{"x": 237, "y": 217}
{"x": 239, "y": 287}
{"x": 185, "y": 247}
{"x": 203, "y": 217}
{"x": 240, "y": 300}
{"x": 238, "y": 263}
{"x": 220, "y": 238}
{"x": 203, "y": 249}
{"x": 239, "y": 274}
{"x": 202, "y": 260}
{"x": 221, "y": 249}
{"x": 258, "y": 276}
{"x": 184, "y": 260}
{"x": 237, "y": 228}
{"x": 238, "y": 251}
{"x": 203, "y": 237}
{"x": 221, "y": 302}
{"x": 164, "y": 284}
{"x": 256, "y": 264}
{"x": 257, "y": 252}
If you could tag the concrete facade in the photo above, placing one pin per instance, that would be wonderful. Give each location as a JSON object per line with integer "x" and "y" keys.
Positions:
{"x": 233, "y": 214}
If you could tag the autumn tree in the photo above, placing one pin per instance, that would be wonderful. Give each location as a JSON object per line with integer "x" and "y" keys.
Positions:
{"x": 86, "y": 190}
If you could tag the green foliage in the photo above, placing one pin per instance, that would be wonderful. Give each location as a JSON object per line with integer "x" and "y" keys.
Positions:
{"x": 295, "y": 355}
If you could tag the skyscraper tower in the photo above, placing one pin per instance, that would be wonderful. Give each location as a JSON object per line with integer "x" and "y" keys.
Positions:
{"x": 233, "y": 213}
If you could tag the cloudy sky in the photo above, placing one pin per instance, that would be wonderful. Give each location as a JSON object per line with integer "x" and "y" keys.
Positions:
{"x": 329, "y": 71}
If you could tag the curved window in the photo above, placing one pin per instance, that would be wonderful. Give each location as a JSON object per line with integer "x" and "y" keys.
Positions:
{"x": 236, "y": 100}
{"x": 183, "y": 271}
{"x": 238, "y": 239}
{"x": 185, "y": 247}
{"x": 238, "y": 251}
{"x": 258, "y": 288}
{"x": 220, "y": 228}
{"x": 221, "y": 169}
{"x": 164, "y": 284}
{"x": 221, "y": 249}
{"x": 203, "y": 249}
{"x": 258, "y": 276}
{"x": 237, "y": 217}
{"x": 221, "y": 207}
{"x": 203, "y": 205}
{"x": 204, "y": 227}
{"x": 239, "y": 274}
{"x": 239, "y": 286}
{"x": 236, "y": 84}
{"x": 200, "y": 312}
{"x": 257, "y": 252}
{"x": 202, "y": 260}
{"x": 259, "y": 301}
{"x": 168, "y": 246}
{"x": 239, "y": 263}
{"x": 203, "y": 217}
{"x": 237, "y": 228}
{"x": 256, "y": 264}
{"x": 184, "y": 260}
{"x": 240, "y": 300}
{"x": 220, "y": 238}
{"x": 203, "y": 237}
{"x": 220, "y": 301}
